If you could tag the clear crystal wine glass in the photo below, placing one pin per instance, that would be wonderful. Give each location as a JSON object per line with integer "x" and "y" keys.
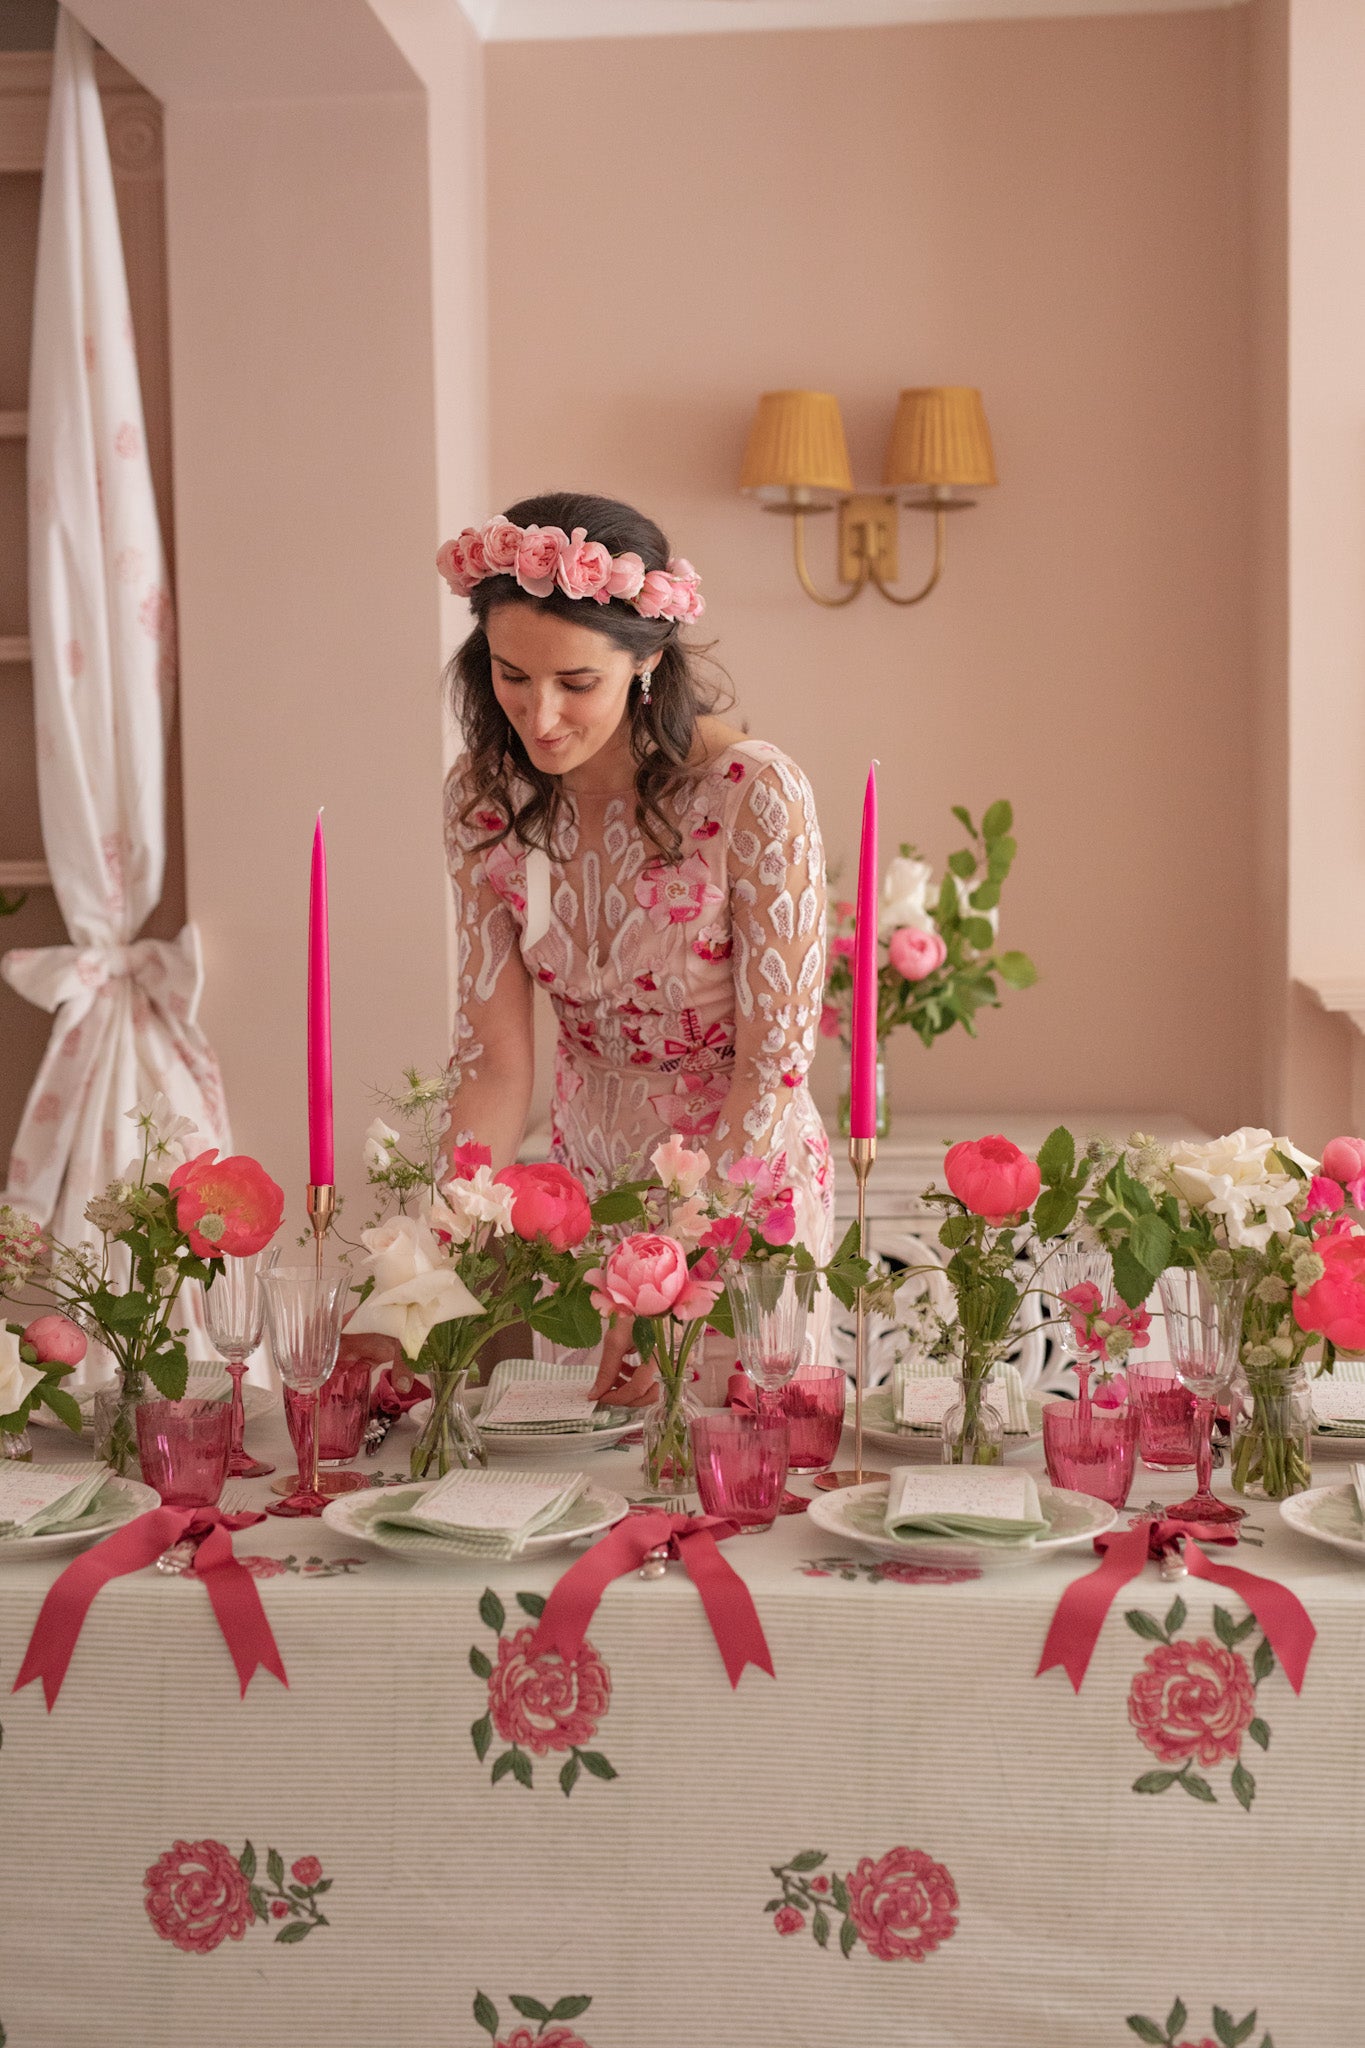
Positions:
{"x": 1071, "y": 1265}
{"x": 1203, "y": 1330}
{"x": 771, "y": 1303}
{"x": 234, "y": 1314}
{"x": 303, "y": 1314}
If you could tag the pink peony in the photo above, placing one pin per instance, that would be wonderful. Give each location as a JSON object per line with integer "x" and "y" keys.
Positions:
{"x": 584, "y": 567}
{"x": 1334, "y": 1307}
{"x": 548, "y": 1202}
{"x": 1344, "y": 1158}
{"x": 903, "y": 1905}
{"x": 915, "y": 954}
{"x": 788, "y": 1920}
{"x": 544, "y": 1703}
{"x": 992, "y": 1178}
{"x": 1325, "y": 1196}
{"x": 676, "y": 892}
{"x": 643, "y": 1276}
{"x": 627, "y": 575}
{"x": 1192, "y": 1700}
{"x": 538, "y": 558}
{"x": 465, "y": 1160}
{"x": 501, "y": 545}
{"x": 226, "y": 1207}
{"x": 197, "y": 1896}
{"x": 56, "y": 1340}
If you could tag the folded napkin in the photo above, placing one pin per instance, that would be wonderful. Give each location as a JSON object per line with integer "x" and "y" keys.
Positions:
{"x": 922, "y": 1400}
{"x": 1001, "y": 1507}
{"x": 483, "y": 1514}
{"x": 542, "y": 1397}
{"x": 37, "y": 1500}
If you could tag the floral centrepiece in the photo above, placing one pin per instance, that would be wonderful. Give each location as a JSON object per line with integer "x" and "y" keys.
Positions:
{"x": 938, "y": 965}
{"x": 198, "y": 1895}
{"x": 900, "y": 1906}
{"x": 539, "y": 1706}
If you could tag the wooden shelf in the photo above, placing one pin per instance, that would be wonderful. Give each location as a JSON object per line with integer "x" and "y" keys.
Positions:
{"x": 13, "y": 426}
{"x": 24, "y": 874}
{"x": 15, "y": 647}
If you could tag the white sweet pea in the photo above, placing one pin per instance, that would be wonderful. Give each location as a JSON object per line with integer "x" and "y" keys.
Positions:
{"x": 411, "y": 1309}
{"x": 905, "y": 895}
{"x": 399, "y": 1250}
{"x": 17, "y": 1380}
{"x": 1233, "y": 1177}
{"x": 379, "y": 1142}
{"x": 467, "y": 1204}
{"x": 165, "y": 1130}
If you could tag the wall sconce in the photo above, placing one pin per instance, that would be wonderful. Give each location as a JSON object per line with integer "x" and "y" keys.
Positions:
{"x": 796, "y": 462}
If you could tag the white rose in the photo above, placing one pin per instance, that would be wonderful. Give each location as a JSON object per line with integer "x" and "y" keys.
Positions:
{"x": 379, "y": 1141}
{"x": 469, "y": 1203}
{"x": 905, "y": 895}
{"x": 17, "y": 1380}
{"x": 1231, "y": 1177}
{"x": 399, "y": 1250}
{"x": 411, "y": 1309}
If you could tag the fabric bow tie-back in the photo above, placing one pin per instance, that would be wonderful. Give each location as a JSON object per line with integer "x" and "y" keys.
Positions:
{"x": 692, "y": 1539}
{"x": 230, "y": 1587}
{"x": 1080, "y": 1613}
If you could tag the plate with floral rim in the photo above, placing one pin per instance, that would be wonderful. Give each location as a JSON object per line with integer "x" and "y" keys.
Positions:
{"x": 1328, "y": 1514}
{"x": 118, "y": 1501}
{"x": 855, "y": 1515}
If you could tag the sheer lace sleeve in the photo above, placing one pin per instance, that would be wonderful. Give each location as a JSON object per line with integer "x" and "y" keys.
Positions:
{"x": 492, "y": 988}
{"x": 777, "y": 908}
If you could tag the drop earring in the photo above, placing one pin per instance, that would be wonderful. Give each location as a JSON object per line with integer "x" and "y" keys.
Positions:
{"x": 646, "y": 678}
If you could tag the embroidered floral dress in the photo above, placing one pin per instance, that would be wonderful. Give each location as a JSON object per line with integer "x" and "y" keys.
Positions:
{"x": 687, "y": 994}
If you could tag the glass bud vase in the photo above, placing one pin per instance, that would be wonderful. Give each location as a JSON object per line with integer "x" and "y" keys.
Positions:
{"x": 882, "y": 1107}
{"x": 669, "y": 1468}
{"x": 448, "y": 1437}
{"x": 973, "y": 1430}
{"x": 115, "y": 1427}
{"x": 18, "y": 1444}
{"x": 1272, "y": 1433}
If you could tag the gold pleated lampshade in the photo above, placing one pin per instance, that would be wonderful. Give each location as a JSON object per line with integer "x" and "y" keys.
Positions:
{"x": 796, "y": 443}
{"x": 940, "y": 437}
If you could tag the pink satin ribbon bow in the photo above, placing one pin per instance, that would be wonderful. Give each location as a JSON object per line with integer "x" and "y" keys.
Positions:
{"x": 740, "y": 1392}
{"x": 229, "y": 1585}
{"x": 692, "y": 1538}
{"x": 1080, "y": 1614}
{"x": 386, "y": 1399}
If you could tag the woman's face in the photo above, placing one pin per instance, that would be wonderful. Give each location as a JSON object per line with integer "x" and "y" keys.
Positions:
{"x": 563, "y": 687}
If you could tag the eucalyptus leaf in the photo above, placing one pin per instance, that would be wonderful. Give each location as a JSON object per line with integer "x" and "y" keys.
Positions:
{"x": 998, "y": 820}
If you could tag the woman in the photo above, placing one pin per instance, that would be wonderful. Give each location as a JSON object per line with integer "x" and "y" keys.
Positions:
{"x": 613, "y": 841}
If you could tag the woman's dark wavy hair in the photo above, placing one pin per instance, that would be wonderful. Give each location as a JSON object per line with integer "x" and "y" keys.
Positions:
{"x": 663, "y": 732}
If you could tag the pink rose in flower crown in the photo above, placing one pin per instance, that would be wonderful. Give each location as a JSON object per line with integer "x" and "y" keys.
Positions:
{"x": 548, "y": 1201}
{"x": 584, "y": 566}
{"x": 56, "y": 1340}
{"x": 992, "y": 1178}
{"x": 627, "y": 574}
{"x": 538, "y": 558}
{"x": 645, "y": 1275}
{"x": 466, "y": 1159}
{"x": 461, "y": 561}
{"x": 501, "y": 546}
{"x": 226, "y": 1207}
{"x": 915, "y": 954}
{"x": 1344, "y": 1159}
{"x": 1334, "y": 1306}
{"x": 654, "y": 599}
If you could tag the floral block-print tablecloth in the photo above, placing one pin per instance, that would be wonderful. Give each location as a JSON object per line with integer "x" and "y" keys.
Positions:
{"x": 432, "y": 1839}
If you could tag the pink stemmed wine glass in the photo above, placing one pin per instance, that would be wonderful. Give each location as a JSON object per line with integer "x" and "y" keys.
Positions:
{"x": 234, "y": 1315}
{"x": 1204, "y": 1328}
{"x": 304, "y": 1307}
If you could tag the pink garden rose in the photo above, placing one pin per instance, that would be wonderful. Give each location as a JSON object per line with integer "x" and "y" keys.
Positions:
{"x": 702, "y": 1290}
{"x": 788, "y": 1920}
{"x": 915, "y": 954}
{"x": 457, "y": 559}
{"x": 904, "y": 1905}
{"x": 676, "y": 892}
{"x": 538, "y": 558}
{"x": 197, "y": 1896}
{"x": 548, "y": 1201}
{"x": 542, "y": 1702}
{"x": 992, "y": 1177}
{"x": 1334, "y": 1307}
{"x": 501, "y": 545}
{"x": 627, "y": 575}
{"x": 584, "y": 567}
{"x": 645, "y": 1275}
{"x": 1192, "y": 1700}
{"x": 654, "y": 599}
{"x": 56, "y": 1340}
{"x": 1344, "y": 1159}
{"x": 226, "y": 1207}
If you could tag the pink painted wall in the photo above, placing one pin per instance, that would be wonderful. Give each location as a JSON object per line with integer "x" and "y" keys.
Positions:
{"x": 1057, "y": 212}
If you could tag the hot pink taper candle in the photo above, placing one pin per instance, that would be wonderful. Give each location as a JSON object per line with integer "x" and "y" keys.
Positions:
{"x": 320, "y": 1159}
{"x": 862, "y": 1105}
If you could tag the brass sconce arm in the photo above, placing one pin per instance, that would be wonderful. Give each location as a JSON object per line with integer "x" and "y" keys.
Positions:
{"x": 866, "y": 566}
{"x": 940, "y": 550}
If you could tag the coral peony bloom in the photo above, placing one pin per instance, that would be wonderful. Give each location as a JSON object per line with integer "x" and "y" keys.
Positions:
{"x": 992, "y": 1177}
{"x": 226, "y": 1207}
{"x": 643, "y": 1276}
{"x": 1334, "y": 1306}
{"x": 549, "y": 1202}
{"x": 56, "y": 1340}
{"x": 1344, "y": 1158}
{"x": 915, "y": 953}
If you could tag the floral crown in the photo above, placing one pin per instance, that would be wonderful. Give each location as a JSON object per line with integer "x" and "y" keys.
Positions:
{"x": 545, "y": 558}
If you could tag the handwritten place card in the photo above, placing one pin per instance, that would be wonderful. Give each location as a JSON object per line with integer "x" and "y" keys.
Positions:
{"x": 506, "y": 1502}
{"x": 540, "y": 1401}
{"x": 1338, "y": 1400}
{"x": 34, "y": 1493}
{"x": 923, "y": 1403}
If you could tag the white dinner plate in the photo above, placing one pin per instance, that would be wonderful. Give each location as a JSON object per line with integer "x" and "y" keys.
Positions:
{"x": 1327, "y": 1513}
{"x": 542, "y": 1446}
{"x": 880, "y": 1429}
{"x": 854, "y": 1515}
{"x": 119, "y": 1501}
{"x": 205, "y": 1383}
{"x": 597, "y": 1508}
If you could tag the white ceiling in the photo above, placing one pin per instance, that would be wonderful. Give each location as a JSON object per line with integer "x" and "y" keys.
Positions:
{"x": 514, "y": 21}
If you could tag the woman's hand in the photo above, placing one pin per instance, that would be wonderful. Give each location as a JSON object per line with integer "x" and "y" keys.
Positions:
{"x": 621, "y": 1384}
{"x": 369, "y": 1350}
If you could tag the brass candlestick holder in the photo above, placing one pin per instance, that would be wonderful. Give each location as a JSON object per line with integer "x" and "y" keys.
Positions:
{"x": 322, "y": 1204}
{"x": 861, "y": 1153}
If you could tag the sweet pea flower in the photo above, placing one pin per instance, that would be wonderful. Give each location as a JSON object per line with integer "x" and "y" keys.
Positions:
{"x": 915, "y": 953}
{"x": 548, "y": 1202}
{"x": 642, "y": 1276}
{"x": 991, "y": 1177}
{"x": 779, "y": 1225}
{"x": 467, "y": 1158}
{"x": 226, "y": 1206}
{"x": 689, "y": 1220}
{"x": 56, "y": 1340}
{"x": 1325, "y": 1196}
{"x": 17, "y": 1379}
{"x": 728, "y": 1235}
{"x": 380, "y": 1141}
{"x": 682, "y": 1171}
{"x": 1344, "y": 1159}
{"x": 468, "y": 1204}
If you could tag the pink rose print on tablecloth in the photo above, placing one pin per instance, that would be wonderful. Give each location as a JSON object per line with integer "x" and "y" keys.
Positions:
{"x": 676, "y": 892}
{"x": 1193, "y": 1702}
{"x": 901, "y": 1906}
{"x": 890, "y": 1571}
{"x": 1227, "y": 2031}
{"x": 199, "y": 1894}
{"x": 541, "y": 1706}
{"x": 550, "y": 2032}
